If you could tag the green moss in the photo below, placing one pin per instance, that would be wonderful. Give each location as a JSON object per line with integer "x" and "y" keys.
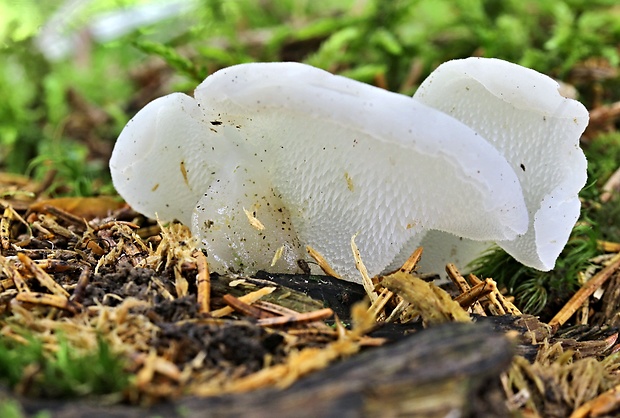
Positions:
{"x": 68, "y": 372}
{"x": 12, "y": 409}
{"x": 537, "y": 292}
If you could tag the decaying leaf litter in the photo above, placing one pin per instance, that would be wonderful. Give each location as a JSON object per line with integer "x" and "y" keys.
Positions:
{"x": 81, "y": 269}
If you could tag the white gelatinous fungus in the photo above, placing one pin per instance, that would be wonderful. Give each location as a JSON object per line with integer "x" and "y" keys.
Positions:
{"x": 521, "y": 113}
{"x": 486, "y": 151}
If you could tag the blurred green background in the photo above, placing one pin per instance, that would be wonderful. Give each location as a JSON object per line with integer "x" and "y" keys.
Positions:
{"x": 73, "y": 72}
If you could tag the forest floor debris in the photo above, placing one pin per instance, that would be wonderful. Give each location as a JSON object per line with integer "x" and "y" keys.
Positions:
{"x": 88, "y": 275}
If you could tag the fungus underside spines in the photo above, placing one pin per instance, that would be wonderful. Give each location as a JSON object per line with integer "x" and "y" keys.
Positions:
{"x": 284, "y": 109}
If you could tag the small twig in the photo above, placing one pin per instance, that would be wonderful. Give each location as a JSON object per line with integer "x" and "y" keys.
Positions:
{"x": 300, "y": 318}
{"x": 83, "y": 281}
{"x": 412, "y": 261}
{"x": 14, "y": 276}
{"x": 379, "y": 304}
{"x": 583, "y": 312}
{"x": 5, "y": 226}
{"x": 254, "y": 221}
{"x": 474, "y": 294}
{"x": 464, "y": 287}
{"x": 584, "y": 293}
{"x": 267, "y": 318}
{"x": 276, "y": 310}
{"x": 203, "y": 282}
{"x": 181, "y": 285}
{"x": 245, "y": 308}
{"x": 456, "y": 277}
{"x": 51, "y": 225}
{"x": 56, "y": 301}
{"x": 18, "y": 217}
{"x": 506, "y": 304}
{"x": 323, "y": 264}
{"x": 249, "y": 298}
{"x": 369, "y": 286}
{"x": 42, "y": 276}
{"x": 68, "y": 217}
{"x": 398, "y": 310}
{"x": 57, "y": 266}
{"x": 495, "y": 307}
{"x": 608, "y": 246}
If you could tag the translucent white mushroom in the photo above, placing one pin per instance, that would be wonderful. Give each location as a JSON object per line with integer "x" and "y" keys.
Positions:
{"x": 522, "y": 114}
{"x": 268, "y": 158}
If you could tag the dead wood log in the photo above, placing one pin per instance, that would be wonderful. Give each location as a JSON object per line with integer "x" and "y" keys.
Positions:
{"x": 434, "y": 372}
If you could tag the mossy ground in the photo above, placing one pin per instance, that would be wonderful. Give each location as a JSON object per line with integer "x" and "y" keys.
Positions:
{"x": 60, "y": 119}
